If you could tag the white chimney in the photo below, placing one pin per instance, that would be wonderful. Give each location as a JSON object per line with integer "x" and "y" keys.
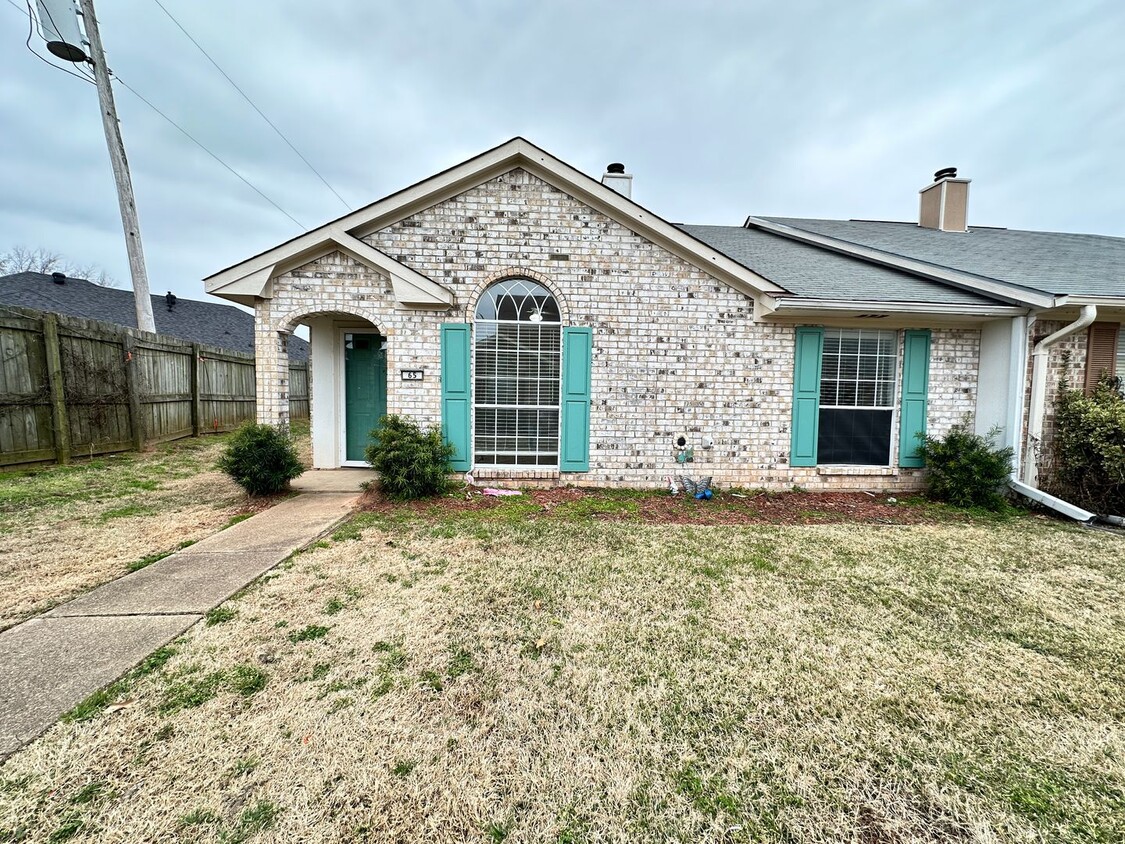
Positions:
{"x": 945, "y": 203}
{"x": 616, "y": 178}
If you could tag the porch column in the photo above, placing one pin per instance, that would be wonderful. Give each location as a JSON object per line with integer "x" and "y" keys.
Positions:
{"x": 323, "y": 386}
{"x": 271, "y": 369}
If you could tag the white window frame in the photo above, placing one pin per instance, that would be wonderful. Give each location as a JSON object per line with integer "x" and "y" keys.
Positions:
{"x": 557, "y": 407}
{"x": 893, "y": 407}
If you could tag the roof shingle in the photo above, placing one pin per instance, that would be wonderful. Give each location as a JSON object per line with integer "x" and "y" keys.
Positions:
{"x": 1053, "y": 262}
{"x": 811, "y": 272}
{"x": 224, "y": 326}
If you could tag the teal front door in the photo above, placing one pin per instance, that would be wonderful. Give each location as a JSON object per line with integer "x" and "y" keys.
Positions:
{"x": 365, "y": 390}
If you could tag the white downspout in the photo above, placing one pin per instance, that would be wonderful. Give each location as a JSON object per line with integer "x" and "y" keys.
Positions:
{"x": 1039, "y": 358}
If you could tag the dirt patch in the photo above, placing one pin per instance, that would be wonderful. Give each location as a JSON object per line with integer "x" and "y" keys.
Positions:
{"x": 660, "y": 507}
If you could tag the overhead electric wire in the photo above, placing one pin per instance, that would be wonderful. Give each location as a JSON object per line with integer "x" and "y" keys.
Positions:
{"x": 133, "y": 91}
{"x": 191, "y": 138}
{"x": 253, "y": 105}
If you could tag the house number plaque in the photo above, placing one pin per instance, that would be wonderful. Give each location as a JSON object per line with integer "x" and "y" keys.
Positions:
{"x": 413, "y": 374}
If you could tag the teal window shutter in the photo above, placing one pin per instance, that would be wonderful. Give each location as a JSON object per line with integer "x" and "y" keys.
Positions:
{"x": 915, "y": 390}
{"x": 806, "y": 396}
{"x": 574, "y": 439}
{"x": 456, "y": 392}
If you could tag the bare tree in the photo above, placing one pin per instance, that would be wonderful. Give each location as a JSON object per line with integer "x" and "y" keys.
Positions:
{"x": 20, "y": 259}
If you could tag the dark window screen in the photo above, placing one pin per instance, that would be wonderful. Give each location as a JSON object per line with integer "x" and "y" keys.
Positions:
{"x": 854, "y": 436}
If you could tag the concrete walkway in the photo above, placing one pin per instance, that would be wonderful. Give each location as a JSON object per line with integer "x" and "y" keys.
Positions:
{"x": 51, "y": 663}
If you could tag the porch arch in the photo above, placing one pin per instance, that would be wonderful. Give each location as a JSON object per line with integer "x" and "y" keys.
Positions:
{"x": 328, "y": 325}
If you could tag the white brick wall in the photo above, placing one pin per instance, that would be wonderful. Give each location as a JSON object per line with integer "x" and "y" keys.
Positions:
{"x": 674, "y": 349}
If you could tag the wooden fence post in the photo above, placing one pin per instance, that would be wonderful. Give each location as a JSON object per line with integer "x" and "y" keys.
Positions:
{"x": 196, "y": 397}
{"x": 56, "y": 385}
{"x": 133, "y": 388}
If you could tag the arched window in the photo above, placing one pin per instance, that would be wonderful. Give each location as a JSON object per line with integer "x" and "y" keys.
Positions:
{"x": 516, "y": 356}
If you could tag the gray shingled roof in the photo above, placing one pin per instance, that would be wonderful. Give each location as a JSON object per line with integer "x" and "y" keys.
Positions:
{"x": 816, "y": 273}
{"x": 1053, "y": 262}
{"x": 216, "y": 324}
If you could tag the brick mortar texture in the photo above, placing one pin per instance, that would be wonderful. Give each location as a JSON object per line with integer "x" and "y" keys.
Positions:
{"x": 675, "y": 350}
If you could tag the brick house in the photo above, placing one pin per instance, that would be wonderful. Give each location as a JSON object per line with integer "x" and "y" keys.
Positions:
{"x": 561, "y": 333}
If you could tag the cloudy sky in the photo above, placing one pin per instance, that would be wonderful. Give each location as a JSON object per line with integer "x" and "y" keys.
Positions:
{"x": 719, "y": 109}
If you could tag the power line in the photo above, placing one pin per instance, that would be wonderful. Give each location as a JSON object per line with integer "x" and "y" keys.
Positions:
{"x": 246, "y": 97}
{"x": 191, "y": 138}
{"x": 188, "y": 135}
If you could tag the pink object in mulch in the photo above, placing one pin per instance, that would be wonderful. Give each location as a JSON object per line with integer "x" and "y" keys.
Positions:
{"x": 501, "y": 492}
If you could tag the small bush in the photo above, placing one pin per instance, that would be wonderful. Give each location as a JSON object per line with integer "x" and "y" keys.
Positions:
{"x": 966, "y": 470}
{"x": 411, "y": 463}
{"x": 1089, "y": 448}
{"x": 261, "y": 459}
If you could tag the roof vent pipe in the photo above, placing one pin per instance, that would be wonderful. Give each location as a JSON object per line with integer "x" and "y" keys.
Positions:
{"x": 617, "y": 179}
{"x": 58, "y": 278}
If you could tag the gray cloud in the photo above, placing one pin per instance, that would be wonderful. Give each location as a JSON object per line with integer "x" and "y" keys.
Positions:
{"x": 720, "y": 109}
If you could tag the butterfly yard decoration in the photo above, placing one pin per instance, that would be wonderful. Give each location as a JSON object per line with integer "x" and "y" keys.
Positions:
{"x": 699, "y": 489}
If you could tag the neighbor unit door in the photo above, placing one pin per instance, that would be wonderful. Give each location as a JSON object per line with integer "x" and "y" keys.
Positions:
{"x": 365, "y": 390}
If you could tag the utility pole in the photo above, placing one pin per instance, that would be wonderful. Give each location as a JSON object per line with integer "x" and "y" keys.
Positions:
{"x": 129, "y": 220}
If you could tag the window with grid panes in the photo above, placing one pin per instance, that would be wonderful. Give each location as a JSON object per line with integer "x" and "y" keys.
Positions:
{"x": 857, "y": 396}
{"x": 517, "y": 344}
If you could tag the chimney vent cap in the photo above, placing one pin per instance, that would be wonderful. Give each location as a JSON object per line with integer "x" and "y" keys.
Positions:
{"x": 615, "y": 167}
{"x": 58, "y": 278}
{"x": 945, "y": 173}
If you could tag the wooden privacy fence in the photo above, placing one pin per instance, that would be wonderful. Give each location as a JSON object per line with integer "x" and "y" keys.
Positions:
{"x": 76, "y": 387}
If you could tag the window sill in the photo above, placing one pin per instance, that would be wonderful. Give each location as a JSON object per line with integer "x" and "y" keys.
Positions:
{"x": 515, "y": 474}
{"x": 864, "y": 471}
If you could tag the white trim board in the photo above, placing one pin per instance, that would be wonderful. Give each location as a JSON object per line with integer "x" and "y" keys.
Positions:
{"x": 240, "y": 281}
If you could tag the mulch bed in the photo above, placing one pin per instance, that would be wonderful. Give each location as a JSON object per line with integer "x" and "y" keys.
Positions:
{"x": 660, "y": 507}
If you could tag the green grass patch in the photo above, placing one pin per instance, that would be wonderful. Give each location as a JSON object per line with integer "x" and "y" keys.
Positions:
{"x": 616, "y": 506}
{"x": 89, "y": 793}
{"x": 234, "y": 520}
{"x": 70, "y": 825}
{"x": 257, "y": 818}
{"x": 318, "y": 672}
{"x": 93, "y": 705}
{"x": 219, "y": 615}
{"x": 191, "y": 691}
{"x": 309, "y": 633}
{"x": 148, "y": 560}
{"x": 200, "y": 817}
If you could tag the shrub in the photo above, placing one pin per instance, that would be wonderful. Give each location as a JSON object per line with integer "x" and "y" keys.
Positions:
{"x": 966, "y": 470}
{"x": 411, "y": 463}
{"x": 1089, "y": 448}
{"x": 262, "y": 459}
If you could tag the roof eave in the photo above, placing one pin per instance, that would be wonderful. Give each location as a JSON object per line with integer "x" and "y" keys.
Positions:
{"x": 517, "y": 152}
{"x": 801, "y": 305}
{"x": 1012, "y": 294}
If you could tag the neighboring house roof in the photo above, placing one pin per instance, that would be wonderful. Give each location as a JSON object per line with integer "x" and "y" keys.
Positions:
{"x": 213, "y": 323}
{"x": 250, "y": 278}
{"x": 1051, "y": 262}
{"x": 809, "y": 271}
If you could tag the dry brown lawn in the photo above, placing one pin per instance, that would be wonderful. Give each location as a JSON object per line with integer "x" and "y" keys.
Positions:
{"x": 66, "y": 529}
{"x": 479, "y": 678}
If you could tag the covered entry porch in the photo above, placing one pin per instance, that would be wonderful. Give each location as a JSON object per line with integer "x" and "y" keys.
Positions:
{"x": 348, "y": 365}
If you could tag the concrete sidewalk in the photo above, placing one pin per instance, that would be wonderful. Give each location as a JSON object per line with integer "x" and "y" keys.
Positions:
{"x": 53, "y": 662}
